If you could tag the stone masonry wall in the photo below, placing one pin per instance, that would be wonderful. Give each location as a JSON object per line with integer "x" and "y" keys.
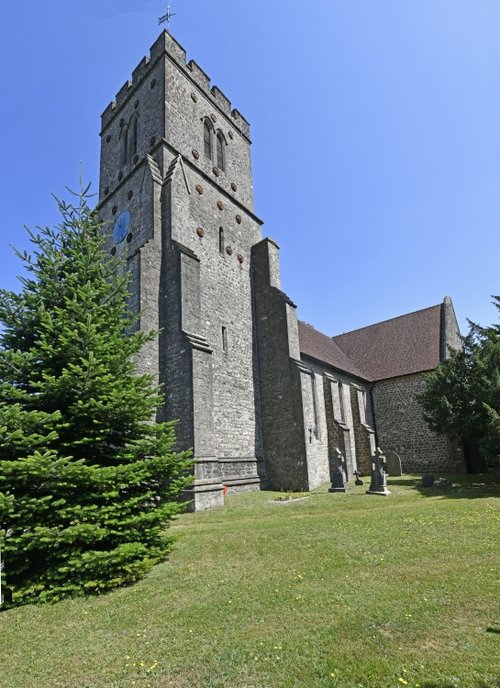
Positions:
{"x": 186, "y": 365}
{"x": 345, "y": 430}
{"x": 170, "y": 99}
{"x": 279, "y": 374}
{"x": 343, "y": 422}
{"x": 339, "y": 435}
{"x": 208, "y": 201}
{"x": 175, "y": 364}
{"x": 316, "y": 435}
{"x": 363, "y": 431}
{"x": 146, "y": 102}
{"x": 187, "y": 105}
{"x": 450, "y": 331}
{"x": 225, "y": 302}
{"x": 401, "y": 427}
{"x": 139, "y": 194}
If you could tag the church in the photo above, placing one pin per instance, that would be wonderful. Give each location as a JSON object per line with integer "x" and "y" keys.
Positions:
{"x": 262, "y": 398}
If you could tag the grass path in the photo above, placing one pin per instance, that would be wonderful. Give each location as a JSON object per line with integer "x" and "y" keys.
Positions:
{"x": 335, "y": 591}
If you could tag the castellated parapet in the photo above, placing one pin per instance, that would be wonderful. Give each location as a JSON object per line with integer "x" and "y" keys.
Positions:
{"x": 167, "y": 45}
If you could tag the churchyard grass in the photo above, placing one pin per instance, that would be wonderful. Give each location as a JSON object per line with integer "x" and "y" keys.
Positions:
{"x": 333, "y": 591}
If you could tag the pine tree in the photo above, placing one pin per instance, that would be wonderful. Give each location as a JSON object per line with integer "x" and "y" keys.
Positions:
{"x": 87, "y": 482}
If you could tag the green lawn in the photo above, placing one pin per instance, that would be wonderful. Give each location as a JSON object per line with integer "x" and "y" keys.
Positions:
{"x": 330, "y": 591}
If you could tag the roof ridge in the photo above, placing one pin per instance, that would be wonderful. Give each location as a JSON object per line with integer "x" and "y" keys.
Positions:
{"x": 381, "y": 322}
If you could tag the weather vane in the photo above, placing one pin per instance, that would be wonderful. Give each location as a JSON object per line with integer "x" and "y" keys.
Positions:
{"x": 166, "y": 17}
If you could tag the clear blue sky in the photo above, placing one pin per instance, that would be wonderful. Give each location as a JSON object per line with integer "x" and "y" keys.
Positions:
{"x": 376, "y": 130}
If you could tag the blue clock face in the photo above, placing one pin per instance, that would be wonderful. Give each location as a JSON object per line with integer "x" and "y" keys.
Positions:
{"x": 122, "y": 224}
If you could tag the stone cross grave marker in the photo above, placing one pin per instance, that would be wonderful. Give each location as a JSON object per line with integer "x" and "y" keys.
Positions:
{"x": 378, "y": 483}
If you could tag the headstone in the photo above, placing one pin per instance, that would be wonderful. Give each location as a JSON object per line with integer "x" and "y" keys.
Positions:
{"x": 393, "y": 463}
{"x": 358, "y": 480}
{"x": 427, "y": 480}
{"x": 378, "y": 483}
{"x": 337, "y": 472}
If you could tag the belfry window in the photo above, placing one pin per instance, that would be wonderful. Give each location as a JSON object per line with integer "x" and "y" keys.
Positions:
{"x": 207, "y": 139}
{"x": 221, "y": 162}
{"x": 134, "y": 132}
{"x": 124, "y": 144}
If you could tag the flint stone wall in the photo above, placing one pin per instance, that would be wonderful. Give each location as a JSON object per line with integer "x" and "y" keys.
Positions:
{"x": 402, "y": 428}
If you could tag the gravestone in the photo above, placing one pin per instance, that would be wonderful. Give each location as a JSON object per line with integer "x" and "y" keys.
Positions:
{"x": 427, "y": 480}
{"x": 393, "y": 463}
{"x": 378, "y": 483}
{"x": 337, "y": 471}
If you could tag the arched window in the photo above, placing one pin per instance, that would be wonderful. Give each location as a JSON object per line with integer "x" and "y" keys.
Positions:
{"x": 221, "y": 151}
{"x": 221, "y": 240}
{"x": 124, "y": 143}
{"x": 207, "y": 138}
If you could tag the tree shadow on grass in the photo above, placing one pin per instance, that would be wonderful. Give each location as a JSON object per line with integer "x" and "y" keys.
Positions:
{"x": 462, "y": 486}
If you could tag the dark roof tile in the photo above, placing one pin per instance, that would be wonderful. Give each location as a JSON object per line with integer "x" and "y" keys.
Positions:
{"x": 400, "y": 346}
{"x": 317, "y": 345}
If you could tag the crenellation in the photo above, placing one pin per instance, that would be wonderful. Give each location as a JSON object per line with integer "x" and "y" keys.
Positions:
{"x": 242, "y": 124}
{"x": 141, "y": 70}
{"x": 198, "y": 75}
{"x": 223, "y": 102}
{"x": 107, "y": 115}
{"x": 122, "y": 94}
{"x": 166, "y": 43}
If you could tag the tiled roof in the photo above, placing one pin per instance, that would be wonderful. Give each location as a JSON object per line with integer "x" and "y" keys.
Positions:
{"x": 404, "y": 345}
{"x": 321, "y": 347}
{"x": 400, "y": 346}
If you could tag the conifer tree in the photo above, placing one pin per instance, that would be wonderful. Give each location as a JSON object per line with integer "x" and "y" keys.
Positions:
{"x": 87, "y": 481}
{"x": 462, "y": 396}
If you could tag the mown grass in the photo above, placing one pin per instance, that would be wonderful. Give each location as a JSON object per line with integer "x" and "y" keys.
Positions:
{"x": 334, "y": 591}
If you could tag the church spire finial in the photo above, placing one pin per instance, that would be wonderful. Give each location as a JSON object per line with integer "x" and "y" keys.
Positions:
{"x": 167, "y": 17}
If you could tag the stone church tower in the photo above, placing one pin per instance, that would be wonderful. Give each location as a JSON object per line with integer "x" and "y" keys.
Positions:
{"x": 259, "y": 397}
{"x": 176, "y": 187}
